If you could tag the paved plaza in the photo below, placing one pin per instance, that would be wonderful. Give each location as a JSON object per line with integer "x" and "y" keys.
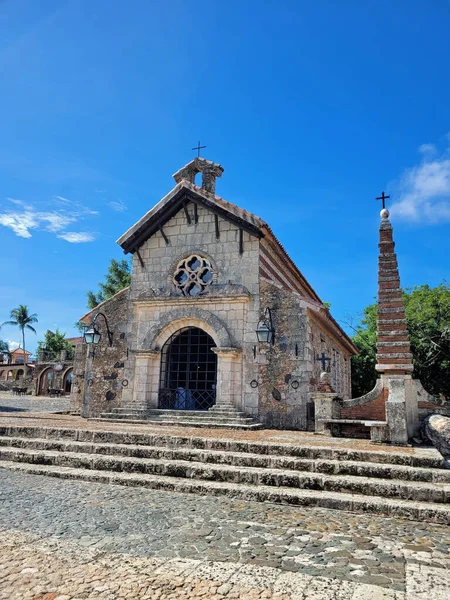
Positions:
{"x": 73, "y": 540}
{"x": 35, "y": 404}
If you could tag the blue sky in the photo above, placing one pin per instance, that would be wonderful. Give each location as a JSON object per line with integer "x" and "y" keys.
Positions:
{"x": 312, "y": 108}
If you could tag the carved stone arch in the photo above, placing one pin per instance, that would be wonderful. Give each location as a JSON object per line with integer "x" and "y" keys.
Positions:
{"x": 187, "y": 316}
{"x": 188, "y": 253}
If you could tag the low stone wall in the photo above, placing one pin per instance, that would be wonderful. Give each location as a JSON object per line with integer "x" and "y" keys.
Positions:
{"x": 370, "y": 406}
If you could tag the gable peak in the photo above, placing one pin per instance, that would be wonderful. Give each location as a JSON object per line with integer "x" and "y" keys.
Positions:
{"x": 209, "y": 170}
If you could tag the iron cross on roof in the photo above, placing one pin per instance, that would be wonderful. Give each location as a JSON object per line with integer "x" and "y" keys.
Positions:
{"x": 198, "y": 148}
{"x": 383, "y": 199}
{"x": 323, "y": 359}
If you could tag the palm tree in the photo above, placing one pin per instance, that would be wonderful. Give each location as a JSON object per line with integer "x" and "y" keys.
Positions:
{"x": 20, "y": 317}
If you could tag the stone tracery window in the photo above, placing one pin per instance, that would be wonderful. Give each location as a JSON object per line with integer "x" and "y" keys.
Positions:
{"x": 193, "y": 275}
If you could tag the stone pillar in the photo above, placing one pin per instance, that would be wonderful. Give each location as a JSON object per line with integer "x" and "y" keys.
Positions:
{"x": 145, "y": 377}
{"x": 326, "y": 405}
{"x": 394, "y": 358}
{"x": 229, "y": 378}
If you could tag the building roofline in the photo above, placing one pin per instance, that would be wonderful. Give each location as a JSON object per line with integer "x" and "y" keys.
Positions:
{"x": 102, "y": 304}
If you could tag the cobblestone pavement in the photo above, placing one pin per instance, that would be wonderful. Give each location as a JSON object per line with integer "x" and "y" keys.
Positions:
{"x": 13, "y": 404}
{"x": 72, "y": 540}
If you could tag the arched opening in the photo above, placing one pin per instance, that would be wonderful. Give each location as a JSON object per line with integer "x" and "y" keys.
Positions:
{"x": 46, "y": 381}
{"x": 188, "y": 371}
{"x": 10, "y": 376}
{"x": 19, "y": 374}
{"x": 67, "y": 381}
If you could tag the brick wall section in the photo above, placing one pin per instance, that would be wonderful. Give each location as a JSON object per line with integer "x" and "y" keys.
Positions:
{"x": 375, "y": 410}
{"x": 393, "y": 348}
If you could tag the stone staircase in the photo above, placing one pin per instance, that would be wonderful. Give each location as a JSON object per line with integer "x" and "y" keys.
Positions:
{"x": 225, "y": 416}
{"x": 391, "y": 483}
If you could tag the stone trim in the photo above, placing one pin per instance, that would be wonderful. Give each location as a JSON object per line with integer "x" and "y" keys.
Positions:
{"x": 183, "y": 317}
{"x": 391, "y": 322}
{"x": 191, "y": 301}
{"x": 391, "y": 367}
{"x": 227, "y": 352}
{"x": 391, "y": 309}
{"x": 392, "y": 343}
{"x": 389, "y": 278}
{"x": 395, "y": 355}
{"x": 145, "y": 353}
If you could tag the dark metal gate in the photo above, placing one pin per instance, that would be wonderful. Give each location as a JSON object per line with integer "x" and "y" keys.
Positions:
{"x": 188, "y": 371}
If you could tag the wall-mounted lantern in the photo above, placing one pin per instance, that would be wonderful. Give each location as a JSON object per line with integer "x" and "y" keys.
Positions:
{"x": 92, "y": 335}
{"x": 265, "y": 331}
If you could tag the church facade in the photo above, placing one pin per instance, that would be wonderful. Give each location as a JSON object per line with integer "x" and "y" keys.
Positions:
{"x": 217, "y": 314}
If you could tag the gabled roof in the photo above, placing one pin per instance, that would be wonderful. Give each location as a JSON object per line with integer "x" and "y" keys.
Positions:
{"x": 185, "y": 192}
{"x": 181, "y": 194}
{"x": 20, "y": 351}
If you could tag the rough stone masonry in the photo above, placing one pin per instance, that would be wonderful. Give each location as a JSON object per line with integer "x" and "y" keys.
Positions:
{"x": 202, "y": 265}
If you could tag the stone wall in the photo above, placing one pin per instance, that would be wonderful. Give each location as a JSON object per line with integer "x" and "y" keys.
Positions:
{"x": 321, "y": 341}
{"x": 98, "y": 378}
{"x": 228, "y": 309}
{"x": 283, "y": 367}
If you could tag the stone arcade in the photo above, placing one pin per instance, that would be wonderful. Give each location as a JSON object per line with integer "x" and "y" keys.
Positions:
{"x": 206, "y": 274}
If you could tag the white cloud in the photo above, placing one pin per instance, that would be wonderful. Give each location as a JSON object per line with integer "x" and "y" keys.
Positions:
{"x": 117, "y": 205}
{"x": 25, "y": 219}
{"x": 77, "y": 237}
{"x": 427, "y": 148}
{"x": 423, "y": 191}
{"x": 13, "y": 345}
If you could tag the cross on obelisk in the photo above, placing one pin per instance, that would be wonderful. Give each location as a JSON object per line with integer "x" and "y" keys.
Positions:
{"x": 323, "y": 359}
{"x": 383, "y": 199}
{"x": 198, "y": 148}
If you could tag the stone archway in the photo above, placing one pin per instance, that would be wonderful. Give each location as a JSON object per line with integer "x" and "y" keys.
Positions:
{"x": 46, "y": 381}
{"x": 188, "y": 371}
{"x": 67, "y": 380}
{"x": 173, "y": 320}
{"x": 147, "y": 364}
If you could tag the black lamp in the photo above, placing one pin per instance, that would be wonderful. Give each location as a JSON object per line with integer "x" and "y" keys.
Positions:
{"x": 92, "y": 335}
{"x": 265, "y": 331}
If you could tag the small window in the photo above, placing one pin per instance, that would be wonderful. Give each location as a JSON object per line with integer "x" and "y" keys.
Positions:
{"x": 193, "y": 275}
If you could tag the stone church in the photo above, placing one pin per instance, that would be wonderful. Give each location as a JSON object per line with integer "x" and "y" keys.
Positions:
{"x": 218, "y": 325}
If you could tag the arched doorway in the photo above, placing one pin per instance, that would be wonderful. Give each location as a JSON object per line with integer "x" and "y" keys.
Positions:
{"x": 188, "y": 371}
{"x": 67, "y": 381}
{"x": 46, "y": 381}
{"x": 19, "y": 374}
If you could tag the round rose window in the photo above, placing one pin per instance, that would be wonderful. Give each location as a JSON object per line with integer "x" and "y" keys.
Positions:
{"x": 193, "y": 275}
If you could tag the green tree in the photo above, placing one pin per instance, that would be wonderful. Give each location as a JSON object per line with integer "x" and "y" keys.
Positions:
{"x": 54, "y": 343}
{"x": 427, "y": 312}
{"x": 364, "y": 375}
{"x": 117, "y": 278}
{"x": 21, "y": 318}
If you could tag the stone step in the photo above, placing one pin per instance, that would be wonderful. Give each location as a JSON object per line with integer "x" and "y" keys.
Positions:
{"x": 179, "y": 423}
{"x": 419, "y": 511}
{"x": 240, "y": 459}
{"x": 415, "y": 491}
{"x": 427, "y": 459}
{"x": 183, "y": 413}
{"x": 156, "y": 418}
